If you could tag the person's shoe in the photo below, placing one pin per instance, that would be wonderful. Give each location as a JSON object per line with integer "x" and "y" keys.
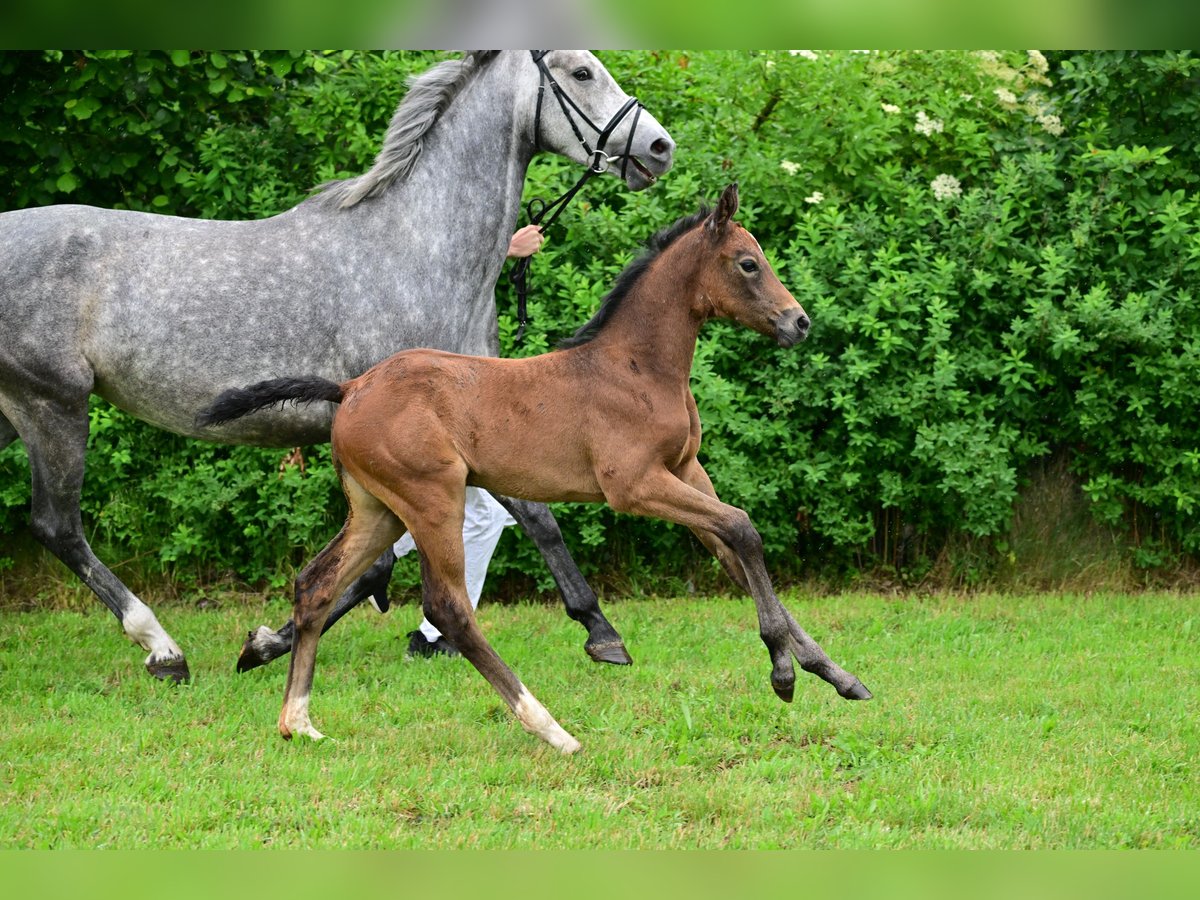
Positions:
{"x": 419, "y": 645}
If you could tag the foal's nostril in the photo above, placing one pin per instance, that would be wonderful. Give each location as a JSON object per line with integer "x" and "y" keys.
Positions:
{"x": 662, "y": 148}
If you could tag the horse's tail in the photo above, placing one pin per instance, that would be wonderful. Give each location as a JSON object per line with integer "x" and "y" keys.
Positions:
{"x": 237, "y": 402}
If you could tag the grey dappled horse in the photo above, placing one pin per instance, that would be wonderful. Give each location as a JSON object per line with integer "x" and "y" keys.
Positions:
{"x": 159, "y": 314}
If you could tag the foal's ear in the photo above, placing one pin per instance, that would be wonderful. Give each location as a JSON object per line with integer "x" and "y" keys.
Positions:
{"x": 726, "y": 207}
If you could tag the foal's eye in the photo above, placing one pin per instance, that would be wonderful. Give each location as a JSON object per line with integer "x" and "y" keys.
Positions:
{"x": 583, "y": 73}
{"x": 749, "y": 266}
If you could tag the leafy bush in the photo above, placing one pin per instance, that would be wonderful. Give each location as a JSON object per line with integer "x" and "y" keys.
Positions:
{"x": 998, "y": 251}
{"x": 988, "y": 284}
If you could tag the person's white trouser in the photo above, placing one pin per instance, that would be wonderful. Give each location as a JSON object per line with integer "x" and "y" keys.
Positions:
{"x": 483, "y": 521}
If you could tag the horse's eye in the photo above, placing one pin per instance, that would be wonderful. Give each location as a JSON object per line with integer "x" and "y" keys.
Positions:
{"x": 749, "y": 266}
{"x": 582, "y": 74}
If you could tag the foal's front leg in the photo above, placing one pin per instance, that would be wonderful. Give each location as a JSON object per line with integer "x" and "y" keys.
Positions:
{"x": 689, "y": 499}
{"x": 806, "y": 651}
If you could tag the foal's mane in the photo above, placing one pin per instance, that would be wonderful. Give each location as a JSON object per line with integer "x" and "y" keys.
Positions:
{"x": 429, "y": 95}
{"x": 659, "y": 242}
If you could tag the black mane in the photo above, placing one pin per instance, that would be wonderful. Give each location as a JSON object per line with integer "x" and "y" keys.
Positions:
{"x": 629, "y": 276}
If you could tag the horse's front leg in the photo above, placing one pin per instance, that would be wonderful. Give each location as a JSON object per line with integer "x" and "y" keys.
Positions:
{"x": 603, "y": 643}
{"x": 263, "y": 644}
{"x": 688, "y": 498}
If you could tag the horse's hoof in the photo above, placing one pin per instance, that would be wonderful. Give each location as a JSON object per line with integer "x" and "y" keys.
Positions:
{"x": 784, "y": 691}
{"x": 856, "y": 691}
{"x": 287, "y": 733}
{"x": 173, "y": 668}
{"x": 613, "y": 652}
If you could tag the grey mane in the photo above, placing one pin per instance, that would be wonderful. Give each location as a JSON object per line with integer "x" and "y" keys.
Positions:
{"x": 429, "y": 95}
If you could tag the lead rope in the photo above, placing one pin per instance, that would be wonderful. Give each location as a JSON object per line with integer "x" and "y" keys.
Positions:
{"x": 537, "y": 209}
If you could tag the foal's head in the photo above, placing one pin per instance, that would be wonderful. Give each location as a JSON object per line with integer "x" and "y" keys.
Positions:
{"x": 738, "y": 283}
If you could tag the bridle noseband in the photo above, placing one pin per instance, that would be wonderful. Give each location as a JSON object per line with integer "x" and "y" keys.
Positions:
{"x": 599, "y": 159}
{"x": 599, "y": 163}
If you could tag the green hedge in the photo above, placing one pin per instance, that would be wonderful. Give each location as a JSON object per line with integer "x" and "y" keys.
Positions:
{"x": 999, "y": 252}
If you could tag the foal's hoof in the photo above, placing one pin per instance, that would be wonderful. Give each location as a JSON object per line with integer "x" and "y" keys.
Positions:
{"x": 172, "y": 668}
{"x": 856, "y": 691}
{"x": 613, "y": 652}
{"x": 248, "y": 659}
{"x": 258, "y": 649}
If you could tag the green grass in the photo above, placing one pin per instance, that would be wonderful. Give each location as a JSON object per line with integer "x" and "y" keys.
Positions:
{"x": 1036, "y": 721}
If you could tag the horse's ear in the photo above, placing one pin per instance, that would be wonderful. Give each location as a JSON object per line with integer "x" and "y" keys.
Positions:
{"x": 726, "y": 207}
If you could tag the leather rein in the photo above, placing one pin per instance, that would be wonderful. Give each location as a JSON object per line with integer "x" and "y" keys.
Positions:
{"x": 544, "y": 214}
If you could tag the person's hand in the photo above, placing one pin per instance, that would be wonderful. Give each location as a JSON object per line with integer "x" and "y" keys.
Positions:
{"x": 526, "y": 242}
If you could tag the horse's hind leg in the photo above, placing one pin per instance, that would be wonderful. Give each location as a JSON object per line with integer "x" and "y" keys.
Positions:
{"x": 56, "y": 440}
{"x": 603, "y": 644}
{"x": 369, "y": 528}
{"x": 263, "y": 645}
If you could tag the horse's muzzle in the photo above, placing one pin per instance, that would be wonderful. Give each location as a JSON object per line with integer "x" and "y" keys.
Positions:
{"x": 649, "y": 157}
{"x": 792, "y": 327}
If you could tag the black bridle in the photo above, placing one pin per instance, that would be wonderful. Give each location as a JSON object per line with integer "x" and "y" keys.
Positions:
{"x": 599, "y": 161}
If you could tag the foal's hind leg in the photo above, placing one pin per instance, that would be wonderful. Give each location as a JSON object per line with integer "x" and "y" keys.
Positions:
{"x": 263, "y": 645}
{"x": 435, "y": 518}
{"x": 369, "y": 528}
{"x": 603, "y": 643}
{"x": 55, "y": 435}
{"x": 448, "y": 607}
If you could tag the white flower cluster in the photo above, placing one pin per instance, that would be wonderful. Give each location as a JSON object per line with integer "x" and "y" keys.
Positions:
{"x": 1039, "y": 62}
{"x": 890, "y": 108}
{"x": 926, "y": 125}
{"x": 814, "y": 197}
{"x": 1051, "y": 124}
{"x": 1007, "y": 97}
{"x": 806, "y": 54}
{"x": 790, "y": 167}
{"x": 946, "y": 187}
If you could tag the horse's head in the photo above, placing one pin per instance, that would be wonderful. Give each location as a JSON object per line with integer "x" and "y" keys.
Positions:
{"x": 741, "y": 285}
{"x": 582, "y": 113}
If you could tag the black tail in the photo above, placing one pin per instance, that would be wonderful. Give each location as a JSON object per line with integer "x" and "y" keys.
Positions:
{"x": 237, "y": 402}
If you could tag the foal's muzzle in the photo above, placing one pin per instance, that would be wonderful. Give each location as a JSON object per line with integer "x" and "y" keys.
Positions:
{"x": 792, "y": 327}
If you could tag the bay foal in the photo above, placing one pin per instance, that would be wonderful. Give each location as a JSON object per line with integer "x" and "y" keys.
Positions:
{"x": 610, "y": 418}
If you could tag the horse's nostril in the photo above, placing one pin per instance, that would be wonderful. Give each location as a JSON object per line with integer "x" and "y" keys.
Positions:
{"x": 662, "y": 148}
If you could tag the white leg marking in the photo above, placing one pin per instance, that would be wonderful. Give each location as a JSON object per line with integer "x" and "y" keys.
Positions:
{"x": 295, "y": 717}
{"x": 143, "y": 629}
{"x": 536, "y": 720}
{"x": 263, "y": 640}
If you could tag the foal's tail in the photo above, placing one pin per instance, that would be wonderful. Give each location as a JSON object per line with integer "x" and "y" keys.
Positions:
{"x": 237, "y": 402}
